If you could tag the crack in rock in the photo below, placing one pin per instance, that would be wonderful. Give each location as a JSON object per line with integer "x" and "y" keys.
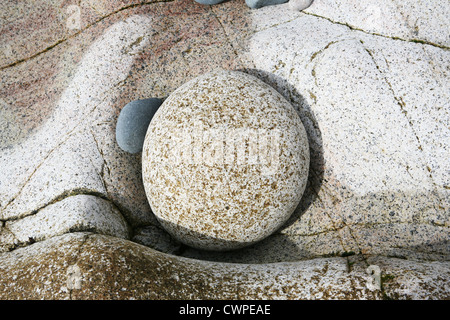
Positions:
{"x": 60, "y": 41}
{"x": 353, "y": 28}
{"x": 83, "y": 210}
{"x": 401, "y": 104}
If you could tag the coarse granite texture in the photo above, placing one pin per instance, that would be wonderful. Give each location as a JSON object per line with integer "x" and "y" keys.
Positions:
{"x": 371, "y": 93}
{"x": 33, "y": 28}
{"x": 299, "y": 5}
{"x": 91, "y": 266}
{"x": 225, "y": 161}
{"x": 82, "y": 213}
{"x": 157, "y": 238}
{"x": 393, "y": 181}
{"x": 152, "y": 276}
{"x": 418, "y": 21}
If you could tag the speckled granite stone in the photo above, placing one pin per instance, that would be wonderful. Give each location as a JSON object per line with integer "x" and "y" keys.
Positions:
{"x": 61, "y": 107}
{"x": 371, "y": 93}
{"x": 82, "y": 213}
{"x": 81, "y": 266}
{"x": 54, "y": 21}
{"x": 156, "y": 238}
{"x": 421, "y": 20}
{"x": 219, "y": 193}
{"x": 377, "y": 157}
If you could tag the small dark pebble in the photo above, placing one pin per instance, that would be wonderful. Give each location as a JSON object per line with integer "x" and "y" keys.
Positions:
{"x": 133, "y": 123}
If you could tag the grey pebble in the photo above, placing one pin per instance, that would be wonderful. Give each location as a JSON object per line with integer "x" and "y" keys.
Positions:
{"x": 255, "y": 4}
{"x": 299, "y": 5}
{"x": 133, "y": 122}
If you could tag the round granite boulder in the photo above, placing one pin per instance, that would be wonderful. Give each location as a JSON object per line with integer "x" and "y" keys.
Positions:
{"x": 225, "y": 161}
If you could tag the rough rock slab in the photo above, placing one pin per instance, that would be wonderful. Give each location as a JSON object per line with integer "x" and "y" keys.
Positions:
{"x": 81, "y": 213}
{"x": 371, "y": 92}
{"x": 372, "y": 174}
{"x": 247, "y": 175}
{"x": 90, "y": 266}
{"x": 421, "y": 21}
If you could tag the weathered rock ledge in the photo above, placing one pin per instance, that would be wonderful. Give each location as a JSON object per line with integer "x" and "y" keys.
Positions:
{"x": 91, "y": 266}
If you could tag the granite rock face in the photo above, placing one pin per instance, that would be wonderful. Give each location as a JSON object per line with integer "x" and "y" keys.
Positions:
{"x": 91, "y": 266}
{"x": 209, "y": 2}
{"x": 375, "y": 143}
{"x": 413, "y": 21}
{"x": 225, "y": 161}
{"x": 370, "y": 91}
{"x": 82, "y": 212}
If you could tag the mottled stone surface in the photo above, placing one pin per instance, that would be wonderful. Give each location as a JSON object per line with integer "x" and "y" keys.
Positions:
{"x": 157, "y": 238}
{"x": 371, "y": 92}
{"x": 403, "y": 279}
{"x": 418, "y": 21}
{"x": 89, "y": 266}
{"x": 225, "y": 161}
{"x": 82, "y": 212}
{"x": 299, "y": 5}
{"x": 373, "y": 179}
